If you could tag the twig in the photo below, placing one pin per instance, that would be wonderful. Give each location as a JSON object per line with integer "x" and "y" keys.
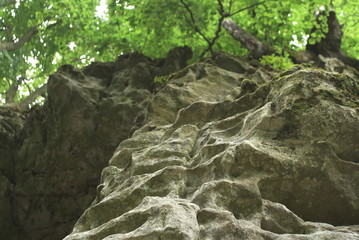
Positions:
{"x": 28, "y": 87}
{"x": 12, "y": 46}
{"x": 243, "y": 9}
{"x": 221, "y": 8}
{"x": 218, "y": 31}
{"x": 145, "y": 41}
{"x": 230, "y": 6}
{"x": 195, "y": 26}
{"x": 223, "y": 14}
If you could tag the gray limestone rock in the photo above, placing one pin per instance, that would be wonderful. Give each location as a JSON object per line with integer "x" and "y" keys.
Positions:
{"x": 215, "y": 161}
{"x": 224, "y": 149}
{"x": 52, "y": 156}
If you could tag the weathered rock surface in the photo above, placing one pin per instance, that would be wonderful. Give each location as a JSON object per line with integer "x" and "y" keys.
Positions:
{"x": 11, "y": 125}
{"x": 225, "y": 150}
{"x": 233, "y": 152}
{"x": 52, "y": 156}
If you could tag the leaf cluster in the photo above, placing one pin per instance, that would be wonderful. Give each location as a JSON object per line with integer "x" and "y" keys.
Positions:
{"x": 278, "y": 62}
{"x": 72, "y": 32}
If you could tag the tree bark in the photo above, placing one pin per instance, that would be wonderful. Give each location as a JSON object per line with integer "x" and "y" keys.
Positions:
{"x": 11, "y": 46}
{"x": 33, "y": 96}
{"x": 256, "y": 47}
{"x": 330, "y": 45}
{"x": 12, "y": 90}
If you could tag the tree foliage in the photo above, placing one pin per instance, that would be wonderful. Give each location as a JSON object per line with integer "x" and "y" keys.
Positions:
{"x": 47, "y": 33}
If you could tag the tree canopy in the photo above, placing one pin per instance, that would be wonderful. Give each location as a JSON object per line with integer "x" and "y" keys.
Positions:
{"x": 37, "y": 36}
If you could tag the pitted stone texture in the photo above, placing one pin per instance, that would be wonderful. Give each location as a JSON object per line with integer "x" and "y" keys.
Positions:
{"x": 138, "y": 223}
{"x": 271, "y": 163}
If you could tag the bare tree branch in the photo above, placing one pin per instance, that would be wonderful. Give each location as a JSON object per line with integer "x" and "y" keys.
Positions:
{"x": 54, "y": 24}
{"x": 230, "y": 6}
{"x": 33, "y": 96}
{"x": 28, "y": 87}
{"x": 243, "y": 9}
{"x": 221, "y": 8}
{"x": 194, "y": 22}
{"x": 223, "y": 14}
{"x": 256, "y": 47}
{"x": 218, "y": 31}
{"x": 12, "y": 90}
{"x": 11, "y": 46}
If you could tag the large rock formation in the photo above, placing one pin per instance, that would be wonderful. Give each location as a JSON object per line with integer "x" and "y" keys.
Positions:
{"x": 52, "y": 156}
{"x": 231, "y": 152}
{"x": 226, "y": 149}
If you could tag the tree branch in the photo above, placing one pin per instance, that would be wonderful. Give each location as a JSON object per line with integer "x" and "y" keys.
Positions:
{"x": 221, "y": 8}
{"x": 33, "y": 96}
{"x": 11, "y": 46}
{"x": 230, "y": 6}
{"x": 255, "y": 46}
{"x": 243, "y": 9}
{"x": 218, "y": 31}
{"x": 195, "y": 26}
{"x": 54, "y": 24}
{"x": 223, "y": 14}
{"x": 12, "y": 90}
{"x": 28, "y": 87}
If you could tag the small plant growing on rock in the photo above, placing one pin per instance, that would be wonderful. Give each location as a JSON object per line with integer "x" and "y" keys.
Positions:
{"x": 160, "y": 79}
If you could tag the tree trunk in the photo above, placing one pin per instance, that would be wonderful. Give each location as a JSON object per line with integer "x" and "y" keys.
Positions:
{"x": 330, "y": 45}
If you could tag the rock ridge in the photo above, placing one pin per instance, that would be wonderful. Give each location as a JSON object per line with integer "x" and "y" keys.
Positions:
{"x": 222, "y": 149}
{"x": 230, "y": 150}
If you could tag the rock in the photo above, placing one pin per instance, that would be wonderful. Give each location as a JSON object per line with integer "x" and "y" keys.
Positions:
{"x": 218, "y": 159}
{"x": 232, "y": 63}
{"x": 224, "y": 149}
{"x": 335, "y": 65}
{"x": 137, "y": 225}
{"x": 52, "y": 156}
{"x": 11, "y": 124}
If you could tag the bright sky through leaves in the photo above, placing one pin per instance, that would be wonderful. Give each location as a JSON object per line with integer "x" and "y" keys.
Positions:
{"x": 102, "y": 10}
{"x": 78, "y": 32}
